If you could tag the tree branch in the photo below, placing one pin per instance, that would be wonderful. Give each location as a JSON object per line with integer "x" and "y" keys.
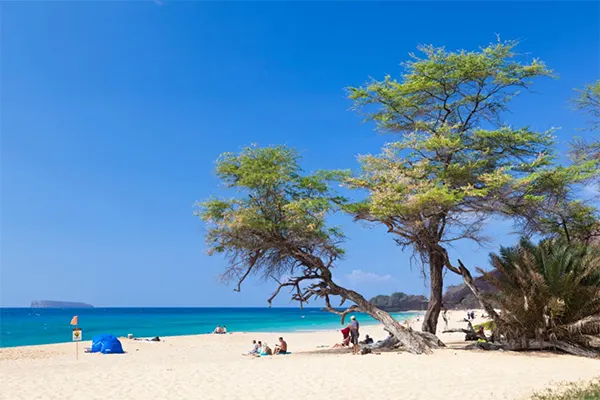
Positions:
{"x": 352, "y": 308}
{"x": 471, "y": 284}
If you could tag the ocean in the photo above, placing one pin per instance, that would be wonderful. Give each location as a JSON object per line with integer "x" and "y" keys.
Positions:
{"x": 31, "y": 326}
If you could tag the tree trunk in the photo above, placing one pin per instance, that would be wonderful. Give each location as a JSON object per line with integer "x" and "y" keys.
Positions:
{"x": 414, "y": 342}
{"x": 478, "y": 295}
{"x": 528, "y": 345}
{"x": 436, "y": 282}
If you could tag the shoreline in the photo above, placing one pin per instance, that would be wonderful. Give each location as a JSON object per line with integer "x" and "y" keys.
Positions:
{"x": 182, "y": 367}
{"x": 283, "y": 330}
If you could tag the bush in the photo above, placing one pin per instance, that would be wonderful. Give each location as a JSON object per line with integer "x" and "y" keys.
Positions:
{"x": 548, "y": 292}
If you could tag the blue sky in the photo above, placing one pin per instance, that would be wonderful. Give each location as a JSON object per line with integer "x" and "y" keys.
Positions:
{"x": 113, "y": 114}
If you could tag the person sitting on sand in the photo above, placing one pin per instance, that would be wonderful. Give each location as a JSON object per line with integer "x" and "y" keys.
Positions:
{"x": 224, "y": 330}
{"x": 218, "y": 330}
{"x": 255, "y": 347}
{"x": 265, "y": 350}
{"x": 345, "y": 337}
{"x": 280, "y": 348}
{"x": 368, "y": 340}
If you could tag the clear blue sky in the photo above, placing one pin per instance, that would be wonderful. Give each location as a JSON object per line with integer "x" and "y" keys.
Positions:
{"x": 113, "y": 114}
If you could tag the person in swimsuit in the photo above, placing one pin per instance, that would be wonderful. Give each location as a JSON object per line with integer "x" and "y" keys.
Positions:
{"x": 354, "y": 333}
{"x": 281, "y": 348}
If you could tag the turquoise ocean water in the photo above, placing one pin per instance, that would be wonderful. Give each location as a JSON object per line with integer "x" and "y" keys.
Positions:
{"x": 30, "y": 326}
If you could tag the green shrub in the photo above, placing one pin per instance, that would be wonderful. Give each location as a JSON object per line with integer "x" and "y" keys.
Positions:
{"x": 571, "y": 391}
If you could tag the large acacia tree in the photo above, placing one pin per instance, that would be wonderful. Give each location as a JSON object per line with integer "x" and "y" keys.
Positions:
{"x": 276, "y": 227}
{"x": 456, "y": 162}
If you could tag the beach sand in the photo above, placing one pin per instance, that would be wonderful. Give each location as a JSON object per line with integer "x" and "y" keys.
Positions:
{"x": 212, "y": 367}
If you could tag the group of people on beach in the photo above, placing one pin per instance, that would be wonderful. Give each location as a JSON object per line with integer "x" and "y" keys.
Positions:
{"x": 220, "y": 330}
{"x": 351, "y": 334}
{"x": 261, "y": 349}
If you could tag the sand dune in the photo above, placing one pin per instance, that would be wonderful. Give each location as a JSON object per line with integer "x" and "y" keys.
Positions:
{"x": 212, "y": 367}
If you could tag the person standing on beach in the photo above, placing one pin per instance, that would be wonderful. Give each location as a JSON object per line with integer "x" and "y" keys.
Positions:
{"x": 445, "y": 317}
{"x": 354, "y": 333}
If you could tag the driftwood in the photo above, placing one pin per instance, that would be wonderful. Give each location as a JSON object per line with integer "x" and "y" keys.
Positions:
{"x": 529, "y": 345}
{"x": 484, "y": 346}
{"x": 470, "y": 333}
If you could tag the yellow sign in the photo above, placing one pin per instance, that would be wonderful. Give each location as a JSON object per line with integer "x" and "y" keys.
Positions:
{"x": 77, "y": 335}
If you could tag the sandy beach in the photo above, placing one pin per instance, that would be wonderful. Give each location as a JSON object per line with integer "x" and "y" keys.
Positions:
{"x": 212, "y": 367}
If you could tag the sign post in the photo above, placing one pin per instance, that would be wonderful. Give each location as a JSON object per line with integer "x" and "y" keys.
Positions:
{"x": 77, "y": 335}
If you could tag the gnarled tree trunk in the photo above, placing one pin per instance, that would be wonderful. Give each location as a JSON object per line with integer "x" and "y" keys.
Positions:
{"x": 436, "y": 281}
{"x": 414, "y": 342}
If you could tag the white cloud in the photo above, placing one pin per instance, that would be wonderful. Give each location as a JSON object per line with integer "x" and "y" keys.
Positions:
{"x": 359, "y": 276}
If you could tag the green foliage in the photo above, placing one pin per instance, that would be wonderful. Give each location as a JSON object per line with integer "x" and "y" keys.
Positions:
{"x": 488, "y": 325}
{"x": 588, "y": 100}
{"x": 456, "y": 162}
{"x": 550, "y": 206}
{"x": 550, "y": 291}
{"x": 571, "y": 391}
{"x": 584, "y": 152}
{"x": 277, "y": 221}
{"x": 445, "y": 90}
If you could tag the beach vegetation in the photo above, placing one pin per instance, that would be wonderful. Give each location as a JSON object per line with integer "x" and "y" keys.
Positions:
{"x": 457, "y": 163}
{"x": 549, "y": 296}
{"x": 571, "y": 391}
{"x": 276, "y": 227}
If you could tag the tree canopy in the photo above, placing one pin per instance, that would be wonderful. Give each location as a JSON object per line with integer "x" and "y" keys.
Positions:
{"x": 456, "y": 162}
{"x": 588, "y": 100}
{"x": 276, "y": 227}
{"x": 278, "y": 222}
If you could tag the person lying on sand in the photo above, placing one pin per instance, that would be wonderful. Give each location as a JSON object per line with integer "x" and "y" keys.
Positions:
{"x": 280, "y": 348}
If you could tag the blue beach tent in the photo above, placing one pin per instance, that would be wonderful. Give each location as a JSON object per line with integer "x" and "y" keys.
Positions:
{"x": 106, "y": 344}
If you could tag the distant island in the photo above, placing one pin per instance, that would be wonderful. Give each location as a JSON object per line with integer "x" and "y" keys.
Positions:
{"x": 460, "y": 297}
{"x": 59, "y": 304}
{"x": 457, "y": 297}
{"x": 399, "y": 302}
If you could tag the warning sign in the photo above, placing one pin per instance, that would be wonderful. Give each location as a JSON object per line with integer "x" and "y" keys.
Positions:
{"x": 77, "y": 335}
